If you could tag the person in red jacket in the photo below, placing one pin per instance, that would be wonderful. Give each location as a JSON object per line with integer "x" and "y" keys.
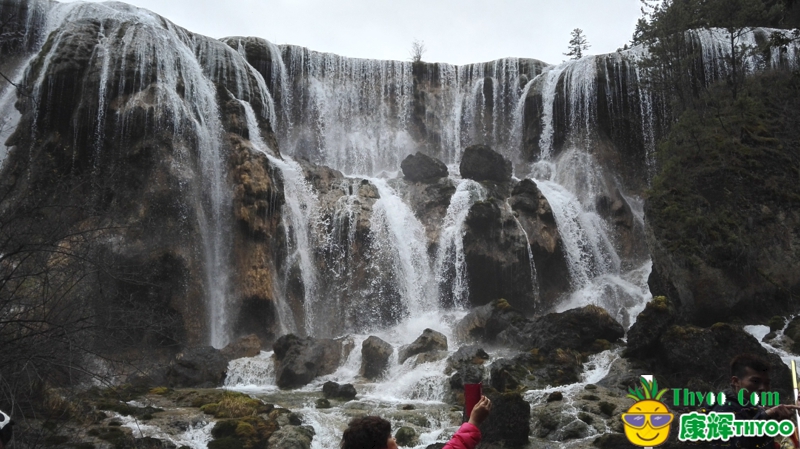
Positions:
{"x": 374, "y": 432}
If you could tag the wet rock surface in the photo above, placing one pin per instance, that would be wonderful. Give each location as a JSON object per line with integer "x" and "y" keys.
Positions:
{"x": 333, "y": 390}
{"x": 203, "y": 367}
{"x": 375, "y": 355}
{"x": 420, "y": 167}
{"x": 509, "y": 421}
{"x": 536, "y": 217}
{"x": 300, "y": 360}
{"x": 429, "y": 341}
{"x": 481, "y": 163}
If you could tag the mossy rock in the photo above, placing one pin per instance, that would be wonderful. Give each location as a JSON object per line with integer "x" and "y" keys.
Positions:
{"x": 406, "y": 436}
{"x": 245, "y": 430}
{"x": 160, "y": 391}
{"x": 607, "y": 408}
{"x": 210, "y": 409}
{"x": 236, "y": 405}
{"x": 323, "y": 403}
{"x": 224, "y": 428}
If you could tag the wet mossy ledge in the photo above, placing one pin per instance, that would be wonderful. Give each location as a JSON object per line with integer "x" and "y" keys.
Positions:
{"x": 109, "y": 418}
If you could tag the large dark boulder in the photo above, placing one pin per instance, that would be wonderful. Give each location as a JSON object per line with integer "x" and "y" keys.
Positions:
{"x": 509, "y": 421}
{"x": 292, "y": 437}
{"x": 333, "y": 390}
{"x": 423, "y": 168}
{"x": 497, "y": 256}
{"x": 466, "y": 366}
{"x": 203, "y": 367}
{"x": 580, "y": 329}
{"x": 651, "y": 324}
{"x": 688, "y": 355}
{"x": 429, "y": 341}
{"x": 375, "y": 355}
{"x": 481, "y": 163}
{"x": 247, "y": 346}
{"x": 300, "y": 360}
{"x": 484, "y": 323}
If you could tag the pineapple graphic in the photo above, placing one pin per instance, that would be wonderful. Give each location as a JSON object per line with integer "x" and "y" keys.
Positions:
{"x": 647, "y": 422}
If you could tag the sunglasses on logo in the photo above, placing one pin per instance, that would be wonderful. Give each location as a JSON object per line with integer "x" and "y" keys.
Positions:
{"x": 638, "y": 420}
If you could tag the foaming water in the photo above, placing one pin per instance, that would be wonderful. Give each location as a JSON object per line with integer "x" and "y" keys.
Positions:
{"x": 399, "y": 235}
{"x": 760, "y": 331}
{"x": 197, "y": 436}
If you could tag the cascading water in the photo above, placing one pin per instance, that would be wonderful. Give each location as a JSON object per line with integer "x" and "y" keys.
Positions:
{"x": 358, "y": 115}
{"x": 450, "y": 266}
{"x": 362, "y": 117}
{"x": 573, "y": 183}
{"x": 399, "y": 235}
{"x": 175, "y": 73}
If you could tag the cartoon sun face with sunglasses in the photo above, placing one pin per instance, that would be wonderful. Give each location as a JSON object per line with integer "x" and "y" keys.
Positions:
{"x": 647, "y": 422}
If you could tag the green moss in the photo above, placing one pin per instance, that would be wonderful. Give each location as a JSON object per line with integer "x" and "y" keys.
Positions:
{"x": 502, "y": 304}
{"x": 660, "y": 303}
{"x": 245, "y": 430}
{"x": 159, "y": 390}
{"x": 607, "y": 408}
{"x": 210, "y": 409}
{"x": 776, "y": 323}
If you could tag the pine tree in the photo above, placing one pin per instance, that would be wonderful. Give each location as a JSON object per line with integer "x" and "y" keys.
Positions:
{"x": 577, "y": 44}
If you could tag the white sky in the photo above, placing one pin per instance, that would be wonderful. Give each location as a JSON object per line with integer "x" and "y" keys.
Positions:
{"x": 454, "y": 31}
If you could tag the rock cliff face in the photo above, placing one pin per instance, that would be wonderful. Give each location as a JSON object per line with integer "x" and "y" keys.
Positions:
{"x": 133, "y": 125}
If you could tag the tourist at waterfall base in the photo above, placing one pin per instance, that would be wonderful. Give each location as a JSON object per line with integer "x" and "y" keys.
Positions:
{"x": 751, "y": 373}
{"x": 374, "y": 432}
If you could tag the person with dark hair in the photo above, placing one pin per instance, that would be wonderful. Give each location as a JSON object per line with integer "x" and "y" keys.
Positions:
{"x": 751, "y": 374}
{"x": 6, "y": 429}
{"x": 373, "y": 432}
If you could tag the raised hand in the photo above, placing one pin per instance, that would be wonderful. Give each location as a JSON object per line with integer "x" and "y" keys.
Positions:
{"x": 480, "y": 412}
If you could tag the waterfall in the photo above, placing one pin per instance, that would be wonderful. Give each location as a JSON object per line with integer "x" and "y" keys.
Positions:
{"x": 175, "y": 73}
{"x": 358, "y": 115}
{"x": 450, "y": 266}
{"x": 548, "y": 97}
{"x": 573, "y": 182}
{"x": 300, "y": 217}
{"x": 399, "y": 236}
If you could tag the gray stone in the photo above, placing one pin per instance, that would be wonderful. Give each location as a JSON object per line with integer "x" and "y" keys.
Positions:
{"x": 375, "y": 355}
{"x": 300, "y": 360}
{"x": 481, "y": 163}
{"x": 423, "y": 168}
{"x": 406, "y": 436}
{"x": 429, "y": 341}
{"x": 197, "y": 367}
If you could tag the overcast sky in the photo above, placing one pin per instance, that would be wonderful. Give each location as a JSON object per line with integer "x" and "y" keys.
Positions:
{"x": 454, "y": 31}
